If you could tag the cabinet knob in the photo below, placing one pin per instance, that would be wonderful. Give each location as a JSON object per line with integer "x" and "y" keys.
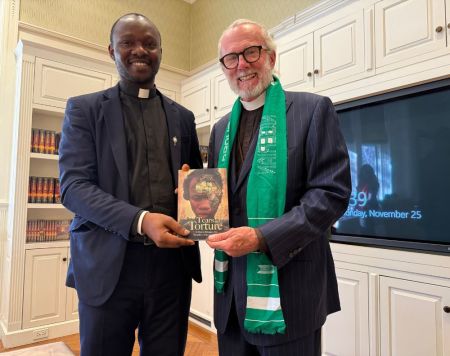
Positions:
{"x": 447, "y": 309}
{"x": 439, "y": 29}
{"x": 215, "y": 107}
{"x": 448, "y": 25}
{"x": 64, "y": 259}
{"x": 316, "y": 71}
{"x": 207, "y": 110}
{"x": 309, "y": 74}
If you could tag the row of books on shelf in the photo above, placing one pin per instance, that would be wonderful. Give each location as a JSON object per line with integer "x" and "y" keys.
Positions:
{"x": 44, "y": 190}
{"x": 47, "y": 230}
{"x": 45, "y": 141}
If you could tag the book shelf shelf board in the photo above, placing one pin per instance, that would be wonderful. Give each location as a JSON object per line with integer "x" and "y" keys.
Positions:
{"x": 50, "y": 244}
{"x": 46, "y": 206}
{"x": 34, "y": 155}
{"x": 48, "y": 110}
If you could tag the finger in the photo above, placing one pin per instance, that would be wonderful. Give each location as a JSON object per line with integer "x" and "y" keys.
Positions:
{"x": 174, "y": 226}
{"x": 176, "y": 191}
{"x": 218, "y": 237}
{"x": 175, "y": 241}
{"x": 185, "y": 167}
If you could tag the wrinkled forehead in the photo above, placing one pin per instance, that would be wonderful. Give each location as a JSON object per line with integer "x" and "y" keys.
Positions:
{"x": 238, "y": 38}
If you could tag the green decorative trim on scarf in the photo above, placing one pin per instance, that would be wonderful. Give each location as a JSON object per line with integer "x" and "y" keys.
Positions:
{"x": 266, "y": 194}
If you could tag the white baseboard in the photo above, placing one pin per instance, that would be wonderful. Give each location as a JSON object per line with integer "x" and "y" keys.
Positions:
{"x": 27, "y": 336}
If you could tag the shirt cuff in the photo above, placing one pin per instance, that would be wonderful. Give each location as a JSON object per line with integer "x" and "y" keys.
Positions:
{"x": 139, "y": 224}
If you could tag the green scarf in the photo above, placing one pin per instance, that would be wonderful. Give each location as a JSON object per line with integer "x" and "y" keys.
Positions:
{"x": 266, "y": 194}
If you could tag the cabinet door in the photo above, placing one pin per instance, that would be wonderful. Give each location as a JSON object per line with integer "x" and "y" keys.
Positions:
{"x": 295, "y": 63}
{"x": 408, "y": 28}
{"x": 202, "y": 293}
{"x": 172, "y": 94}
{"x": 412, "y": 319}
{"x": 347, "y": 331}
{"x": 44, "y": 299}
{"x": 339, "y": 51}
{"x": 224, "y": 97}
{"x": 198, "y": 100}
{"x": 55, "y": 82}
{"x": 71, "y": 302}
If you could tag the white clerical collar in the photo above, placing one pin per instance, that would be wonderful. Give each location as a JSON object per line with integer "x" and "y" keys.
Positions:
{"x": 143, "y": 93}
{"x": 254, "y": 104}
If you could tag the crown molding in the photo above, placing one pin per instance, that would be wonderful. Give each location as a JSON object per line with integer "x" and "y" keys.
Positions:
{"x": 61, "y": 41}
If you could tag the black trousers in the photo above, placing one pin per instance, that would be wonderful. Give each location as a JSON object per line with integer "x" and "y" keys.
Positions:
{"x": 153, "y": 295}
{"x": 233, "y": 343}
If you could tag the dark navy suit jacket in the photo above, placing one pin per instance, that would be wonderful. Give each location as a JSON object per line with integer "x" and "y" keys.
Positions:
{"x": 318, "y": 189}
{"x": 94, "y": 185}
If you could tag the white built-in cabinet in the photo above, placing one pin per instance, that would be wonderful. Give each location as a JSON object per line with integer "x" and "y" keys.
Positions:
{"x": 352, "y": 322}
{"x": 45, "y": 298}
{"x": 410, "y": 31}
{"x": 394, "y": 303}
{"x": 208, "y": 96}
{"x": 414, "y": 318}
{"x": 329, "y": 56}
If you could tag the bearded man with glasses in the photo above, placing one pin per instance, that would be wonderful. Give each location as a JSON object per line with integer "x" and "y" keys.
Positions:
{"x": 289, "y": 181}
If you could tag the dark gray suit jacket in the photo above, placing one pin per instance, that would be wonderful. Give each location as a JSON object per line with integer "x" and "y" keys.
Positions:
{"x": 94, "y": 185}
{"x": 318, "y": 189}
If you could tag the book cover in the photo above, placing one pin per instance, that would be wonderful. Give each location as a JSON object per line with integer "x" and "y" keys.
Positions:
{"x": 203, "y": 201}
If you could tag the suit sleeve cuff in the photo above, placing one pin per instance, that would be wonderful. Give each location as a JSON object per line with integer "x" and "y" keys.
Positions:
{"x": 262, "y": 242}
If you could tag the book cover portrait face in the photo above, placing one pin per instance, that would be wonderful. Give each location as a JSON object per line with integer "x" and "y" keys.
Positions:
{"x": 203, "y": 200}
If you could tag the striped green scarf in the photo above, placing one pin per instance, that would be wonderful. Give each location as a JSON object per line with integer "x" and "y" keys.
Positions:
{"x": 266, "y": 193}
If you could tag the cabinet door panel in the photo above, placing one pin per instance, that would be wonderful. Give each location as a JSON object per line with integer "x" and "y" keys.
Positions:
{"x": 295, "y": 61}
{"x": 339, "y": 50}
{"x": 347, "y": 331}
{"x": 224, "y": 97}
{"x": 44, "y": 290}
{"x": 197, "y": 99}
{"x": 407, "y": 28}
{"x": 202, "y": 293}
{"x": 412, "y": 320}
{"x": 55, "y": 82}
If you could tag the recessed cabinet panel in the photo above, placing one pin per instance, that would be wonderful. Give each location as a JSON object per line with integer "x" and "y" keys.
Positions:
{"x": 202, "y": 293}
{"x": 295, "y": 63}
{"x": 408, "y": 28}
{"x": 351, "y": 323}
{"x": 224, "y": 97}
{"x": 339, "y": 50}
{"x": 56, "y": 82}
{"x": 412, "y": 318}
{"x": 197, "y": 99}
{"x": 44, "y": 294}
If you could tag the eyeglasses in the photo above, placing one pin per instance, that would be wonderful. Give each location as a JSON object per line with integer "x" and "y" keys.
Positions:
{"x": 250, "y": 54}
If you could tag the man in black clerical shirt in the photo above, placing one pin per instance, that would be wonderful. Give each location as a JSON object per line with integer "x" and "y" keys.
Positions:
{"x": 119, "y": 155}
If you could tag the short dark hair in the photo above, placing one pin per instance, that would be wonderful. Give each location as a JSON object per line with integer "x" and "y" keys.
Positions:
{"x": 135, "y": 14}
{"x": 213, "y": 175}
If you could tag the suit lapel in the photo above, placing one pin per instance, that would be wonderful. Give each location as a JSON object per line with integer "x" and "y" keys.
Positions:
{"x": 113, "y": 117}
{"x": 174, "y": 131}
{"x": 247, "y": 164}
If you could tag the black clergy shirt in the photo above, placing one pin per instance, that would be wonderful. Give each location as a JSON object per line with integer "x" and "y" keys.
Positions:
{"x": 151, "y": 184}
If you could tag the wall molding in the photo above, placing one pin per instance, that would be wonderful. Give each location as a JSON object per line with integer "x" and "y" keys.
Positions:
{"x": 72, "y": 44}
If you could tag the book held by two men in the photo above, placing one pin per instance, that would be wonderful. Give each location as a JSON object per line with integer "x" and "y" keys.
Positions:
{"x": 203, "y": 201}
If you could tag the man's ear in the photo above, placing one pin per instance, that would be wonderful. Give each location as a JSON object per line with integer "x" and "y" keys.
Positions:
{"x": 273, "y": 57}
{"x": 111, "y": 52}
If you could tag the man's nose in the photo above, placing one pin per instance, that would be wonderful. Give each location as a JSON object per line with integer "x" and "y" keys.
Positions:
{"x": 242, "y": 63}
{"x": 138, "y": 48}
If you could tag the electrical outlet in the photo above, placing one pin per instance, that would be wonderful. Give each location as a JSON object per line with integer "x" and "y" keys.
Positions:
{"x": 40, "y": 334}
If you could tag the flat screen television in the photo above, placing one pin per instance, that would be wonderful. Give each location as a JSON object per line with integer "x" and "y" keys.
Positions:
{"x": 399, "y": 148}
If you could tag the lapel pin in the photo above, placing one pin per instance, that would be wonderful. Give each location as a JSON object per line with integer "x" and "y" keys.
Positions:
{"x": 175, "y": 140}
